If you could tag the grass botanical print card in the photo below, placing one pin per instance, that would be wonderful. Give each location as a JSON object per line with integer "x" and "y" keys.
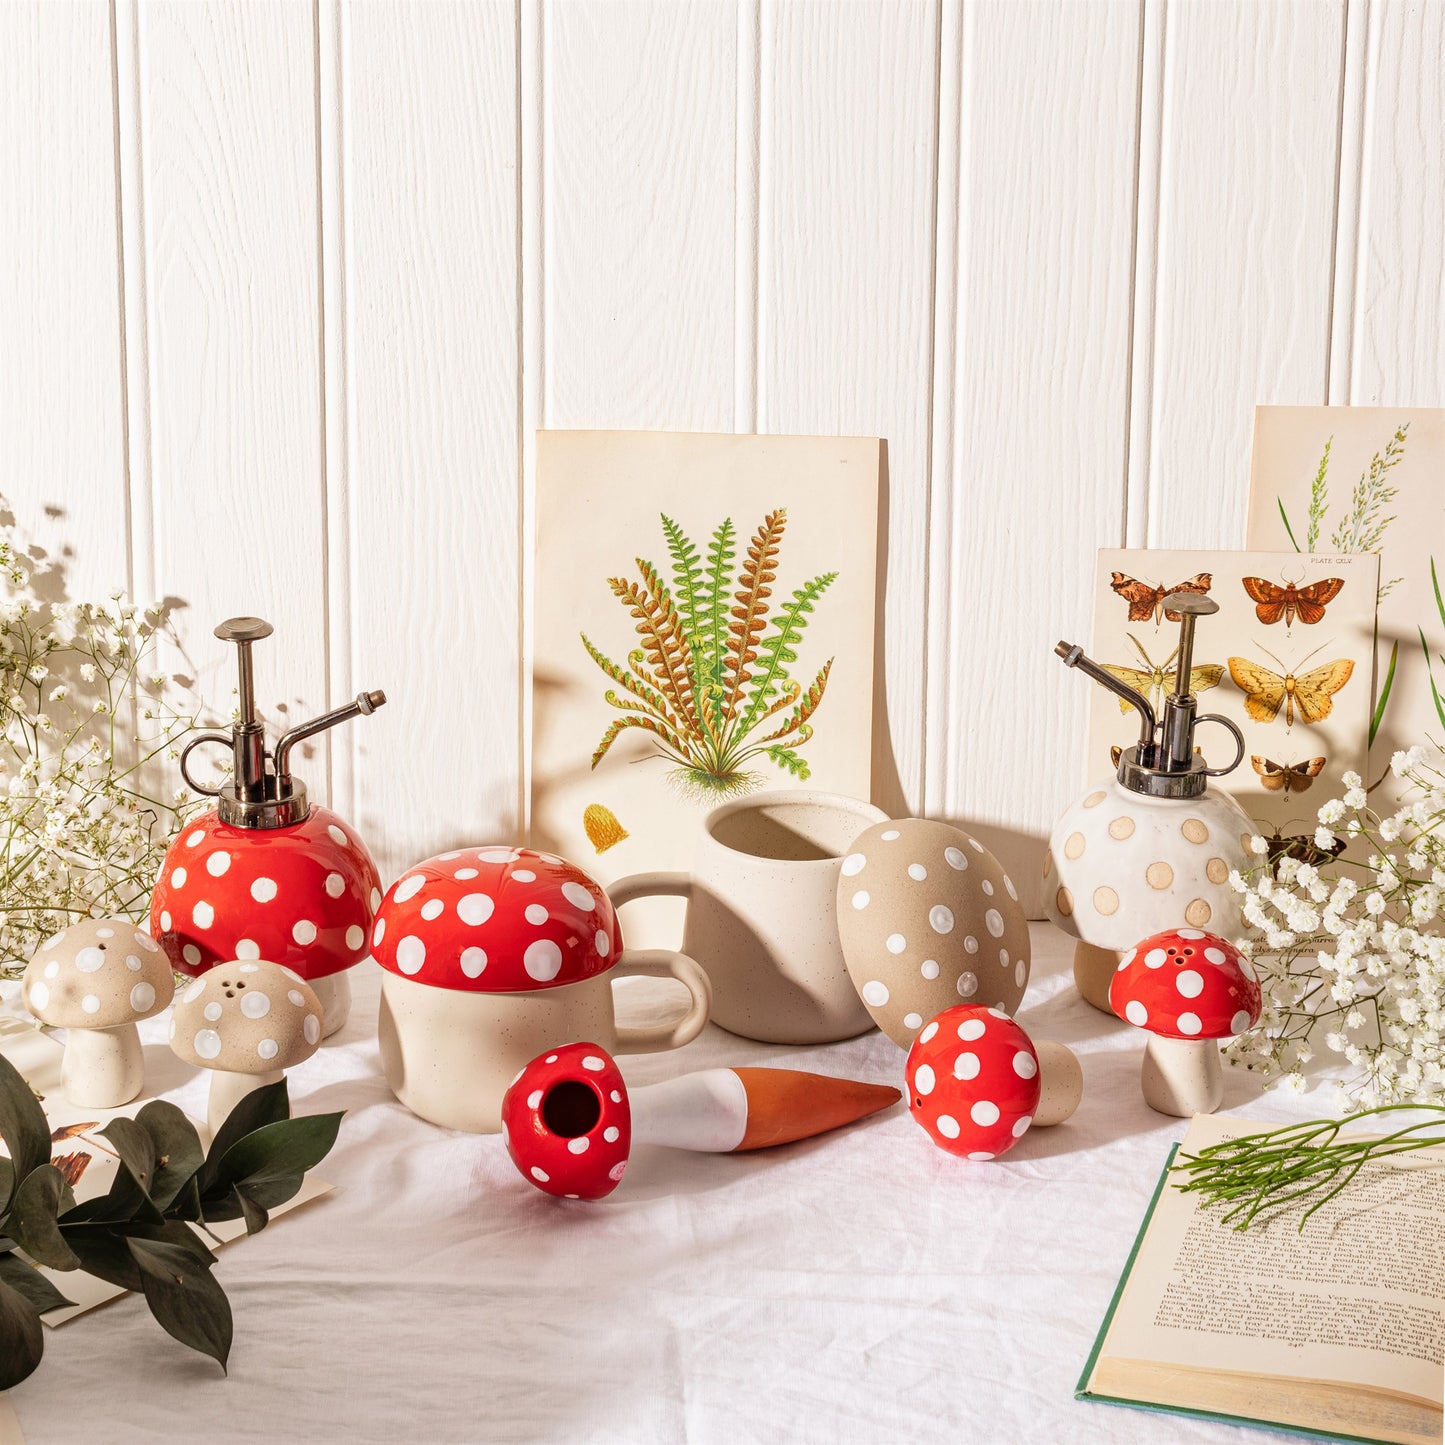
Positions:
{"x": 703, "y": 630}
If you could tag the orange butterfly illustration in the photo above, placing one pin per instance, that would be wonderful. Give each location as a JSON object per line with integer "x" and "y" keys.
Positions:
{"x": 1289, "y": 601}
{"x": 1286, "y": 777}
{"x": 1310, "y": 694}
{"x": 1147, "y": 601}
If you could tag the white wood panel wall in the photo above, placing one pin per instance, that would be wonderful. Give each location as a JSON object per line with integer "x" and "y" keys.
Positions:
{"x": 285, "y": 288}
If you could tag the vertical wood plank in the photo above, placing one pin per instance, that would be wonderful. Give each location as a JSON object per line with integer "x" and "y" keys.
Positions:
{"x": 1040, "y": 383}
{"x": 847, "y": 159}
{"x": 62, "y": 444}
{"x": 227, "y": 114}
{"x": 1398, "y": 356}
{"x": 1249, "y": 126}
{"x": 430, "y": 157}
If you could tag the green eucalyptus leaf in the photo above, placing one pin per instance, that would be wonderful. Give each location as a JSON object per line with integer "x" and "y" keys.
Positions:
{"x": 22, "y": 1340}
{"x": 173, "y": 1231}
{"x": 254, "y": 1212}
{"x": 103, "y": 1252}
{"x": 268, "y": 1105}
{"x": 184, "y": 1297}
{"x": 187, "y": 1203}
{"x": 178, "y": 1151}
{"x": 136, "y": 1149}
{"x": 33, "y": 1215}
{"x": 285, "y": 1149}
{"x": 26, "y": 1280}
{"x": 22, "y": 1127}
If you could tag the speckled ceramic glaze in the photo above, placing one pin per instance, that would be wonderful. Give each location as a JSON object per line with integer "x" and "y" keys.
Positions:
{"x": 1121, "y": 866}
{"x": 928, "y": 918}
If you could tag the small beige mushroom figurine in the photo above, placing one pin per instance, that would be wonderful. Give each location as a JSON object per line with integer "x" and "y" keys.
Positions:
{"x": 248, "y": 1021}
{"x": 98, "y": 979}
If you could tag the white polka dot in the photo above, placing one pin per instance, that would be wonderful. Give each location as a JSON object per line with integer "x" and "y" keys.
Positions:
{"x": 1013, "y": 892}
{"x": 1240, "y": 1022}
{"x": 191, "y": 954}
{"x": 1003, "y": 958}
{"x": 579, "y": 1146}
{"x": 617, "y": 1170}
{"x": 1021, "y": 1126}
{"x": 1020, "y": 973}
{"x": 979, "y": 1154}
{"x": 165, "y": 921}
{"x": 409, "y": 887}
{"x": 612, "y": 1133}
{"x": 447, "y": 858}
{"x": 1216, "y": 956}
{"x": 1189, "y": 1024}
{"x": 929, "y": 1032}
{"x": 971, "y": 1029}
{"x": 89, "y": 960}
{"x": 250, "y": 968}
{"x": 432, "y": 908}
{"x": 593, "y": 1064}
{"x": 247, "y": 948}
{"x": 337, "y": 836}
{"x": 966, "y": 1066}
{"x": 542, "y": 960}
{"x": 993, "y": 921}
{"x": 535, "y": 914}
{"x": 255, "y": 1005}
{"x": 540, "y": 1175}
{"x": 475, "y": 909}
{"x": 375, "y": 899}
{"x": 1127, "y": 959}
{"x": 1025, "y": 1065}
{"x": 212, "y": 1011}
{"x": 268, "y": 1048}
{"x": 354, "y": 937}
{"x": 498, "y": 855}
{"x": 551, "y": 1059}
{"x": 970, "y": 944}
{"x": 378, "y": 933}
{"x": 105, "y": 933}
{"x": 602, "y": 943}
{"x": 998, "y": 1013}
{"x": 955, "y": 859}
{"x": 178, "y": 877}
{"x": 303, "y": 931}
{"x": 1155, "y": 958}
{"x": 917, "y": 872}
{"x": 1192, "y": 933}
{"x": 39, "y": 997}
{"x": 875, "y": 993}
{"x": 217, "y": 864}
{"x": 52, "y": 969}
{"x": 987, "y": 888}
{"x": 522, "y": 875}
{"x": 194, "y": 991}
{"x": 975, "y": 845}
{"x": 335, "y": 885}
{"x": 296, "y": 997}
{"x": 912, "y": 1021}
{"x": 473, "y": 961}
{"x": 1189, "y": 983}
{"x": 203, "y": 915}
{"x": 578, "y": 896}
{"x": 194, "y": 840}
{"x": 895, "y": 943}
{"x": 615, "y": 1097}
{"x": 465, "y": 874}
{"x": 948, "y": 1126}
{"x": 263, "y": 890}
{"x": 891, "y": 836}
{"x": 984, "y": 1113}
{"x": 853, "y": 865}
{"x": 860, "y": 899}
{"x": 940, "y": 919}
{"x": 923, "y": 1079}
{"x": 967, "y": 985}
{"x": 207, "y": 1043}
{"x": 534, "y": 1099}
{"x": 410, "y": 954}
{"x": 929, "y": 968}
{"x": 311, "y": 1029}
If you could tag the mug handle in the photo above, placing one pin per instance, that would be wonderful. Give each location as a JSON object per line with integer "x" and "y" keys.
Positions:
{"x": 662, "y": 963}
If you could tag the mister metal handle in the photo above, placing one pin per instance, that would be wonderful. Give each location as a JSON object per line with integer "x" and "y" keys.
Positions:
{"x": 1224, "y": 722}
{"x": 225, "y": 741}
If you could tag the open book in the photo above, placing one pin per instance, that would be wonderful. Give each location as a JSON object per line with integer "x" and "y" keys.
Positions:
{"x": 1338, "y": 1330}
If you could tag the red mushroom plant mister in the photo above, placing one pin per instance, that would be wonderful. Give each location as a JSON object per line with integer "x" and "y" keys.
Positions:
{"x": 266, "y": 874}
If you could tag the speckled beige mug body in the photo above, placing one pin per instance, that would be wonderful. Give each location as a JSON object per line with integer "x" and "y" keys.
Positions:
{"x": 762, "y": 914}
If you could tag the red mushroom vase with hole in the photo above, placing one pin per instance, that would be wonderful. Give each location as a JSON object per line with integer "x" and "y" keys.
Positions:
{"x": 1187, "y": 989}
{"x": 976, "y": 1082}
{"x": 493, "y": 955}
{"x": 266, "y": 874}
{"x": 569, "y": 1122}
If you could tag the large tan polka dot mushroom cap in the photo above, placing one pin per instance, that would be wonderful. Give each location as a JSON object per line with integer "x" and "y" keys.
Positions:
{"x": 98, "y": 974}
{"x": 927, "y": 917}
{"x": 1121, "y": 865}
{"x": 248, "y": 1016}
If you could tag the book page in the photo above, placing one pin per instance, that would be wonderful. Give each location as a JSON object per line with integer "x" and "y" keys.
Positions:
{"x": 1357, "y": 1297}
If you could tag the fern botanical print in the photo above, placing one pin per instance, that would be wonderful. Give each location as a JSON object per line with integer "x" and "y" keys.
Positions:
{"x": 711, "y": 680}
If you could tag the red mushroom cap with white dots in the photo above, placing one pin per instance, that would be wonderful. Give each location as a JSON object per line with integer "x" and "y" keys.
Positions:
{"x": 973, "y": 1081}
{"x": 567, "y": 1124}
{"x": 496, "y": 920}
{"x": 301, "y": 896}
{"x": 1186, "y": 984}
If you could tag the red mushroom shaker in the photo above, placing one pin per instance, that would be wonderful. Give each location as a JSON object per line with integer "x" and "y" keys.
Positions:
{"x": 267, "y": 874}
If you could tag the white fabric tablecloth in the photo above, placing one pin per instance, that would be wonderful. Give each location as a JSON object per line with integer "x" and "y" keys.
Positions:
{"x": 863, "y": 1286}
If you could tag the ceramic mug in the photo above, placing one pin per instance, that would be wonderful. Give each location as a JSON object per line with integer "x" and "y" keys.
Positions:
{"x": 762, "y": 914}
{"x": 450, "y": 1055}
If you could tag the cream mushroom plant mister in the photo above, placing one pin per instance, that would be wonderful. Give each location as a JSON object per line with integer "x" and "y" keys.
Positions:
{"x": 1154, "y": 848}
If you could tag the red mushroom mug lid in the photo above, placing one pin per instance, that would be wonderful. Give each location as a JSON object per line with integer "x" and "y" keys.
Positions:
{"x": 496, "y": 919}
{"x": 1186, "y": 984}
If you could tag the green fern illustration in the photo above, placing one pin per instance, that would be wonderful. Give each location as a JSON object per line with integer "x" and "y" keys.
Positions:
{"x": 714, "y": 668}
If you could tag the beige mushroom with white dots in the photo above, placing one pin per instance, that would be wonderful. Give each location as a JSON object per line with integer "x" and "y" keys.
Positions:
{"x": 248, "y": 1021}
{"x": 98, "y": 979}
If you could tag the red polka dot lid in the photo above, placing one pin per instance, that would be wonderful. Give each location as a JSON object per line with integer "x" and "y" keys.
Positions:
{"x": 973, "y": 1081}
{"x": 495, "y": 920}
{"x": 1186, "y": 984}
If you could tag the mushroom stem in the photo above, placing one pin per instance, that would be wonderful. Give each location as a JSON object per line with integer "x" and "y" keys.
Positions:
{"x": 1182, "y": 1076}
{"x": 334, "y": 991}
{"x": 102, "y": 1068}
{"x": 228, "y": 1089}
{"x": 1094, "y": 969}
{"x": 1061, "y": 1084}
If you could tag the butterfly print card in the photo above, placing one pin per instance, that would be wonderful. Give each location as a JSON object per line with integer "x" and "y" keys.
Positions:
{"x": 1288, "y": 658}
